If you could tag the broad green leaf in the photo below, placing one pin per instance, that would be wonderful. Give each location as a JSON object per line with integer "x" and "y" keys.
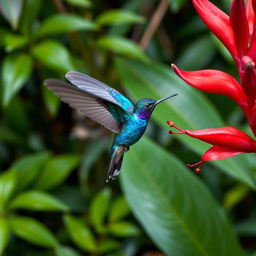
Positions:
{"x": 246, "y": 227}
{"x": 7, "y": 186}
{"x": 51, "y": 101}
{"x": 80, "y": 234}
{"x": 9, "y": 136}
{"x": 197, "y": 54}
{"x": 4, "y": 234}
{"x": 11, "y": 10}
{"x": 122, "y": 46}
{"x": 118, "y": 17}
{"x": 66, "y": 251}
{"x": 32, "y": 231}
{"x": 54, "y": 55}
{"x": 56, "y": 171}
{"x": 14, "y": 41}
{"x": 28, "y": 167}
{"x": 99, "y": 208}
{"x": 123, "y": 229}
{"x": 189, "y": 110}
{"x": 15, "y": 72}
{"x": 37, "y": 201}
{"x": 119, "y": 209}
{"x": 80, "y": 3}
{"x": 64, "y": 23}
{"x": 174, "y": 207}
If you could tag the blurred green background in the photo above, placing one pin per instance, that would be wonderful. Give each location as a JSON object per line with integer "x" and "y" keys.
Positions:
{"x": 53, "y": 195}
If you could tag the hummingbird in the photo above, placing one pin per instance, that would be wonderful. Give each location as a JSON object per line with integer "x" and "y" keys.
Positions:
{"x": 109, "y": 108}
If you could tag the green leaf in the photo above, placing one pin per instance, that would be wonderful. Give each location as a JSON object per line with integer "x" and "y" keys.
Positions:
{"x": 174, "y": 207}
{"x": 16, "y": 70}
{"x": 118, "y": 17}
{"x": 32, "y": 231}
{"x": 11, "y": 10}
{"x": 4, "y": 234}
{"x": 28, "y": 167}
{"x": 7, "y": 187}
{"x": 190, "y": 109}
{"x": 197, "y": 54}
{"x": 66, "y": 251}
{"x": 99, "y": 208}
{"x": 54, "y": 55}
{"x": 56, "y": 171}
{"x": 64, "y": 23}
{"x": 123, "y": 229}
{"x": 51, "y": 101}
{"x": 80, "y": 3}
{"x": 119, "y": 209}
{"x": 14, "y": 41}
{"x": 108, "y": 245}
{"x": 80, "y": 234}
{"x": 37, "y": 201}
{"x": 176, "y": 5}
{"x": 122, "y": 46}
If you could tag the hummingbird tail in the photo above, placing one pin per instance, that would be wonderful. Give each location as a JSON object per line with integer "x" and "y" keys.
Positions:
{"x": 116, "y": 163}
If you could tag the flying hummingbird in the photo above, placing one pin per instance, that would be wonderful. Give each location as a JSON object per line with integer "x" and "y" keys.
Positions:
{"x": 108, "y": 107}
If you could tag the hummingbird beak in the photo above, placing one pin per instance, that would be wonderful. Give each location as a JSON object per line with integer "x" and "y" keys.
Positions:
{"x": 166, "y": 98}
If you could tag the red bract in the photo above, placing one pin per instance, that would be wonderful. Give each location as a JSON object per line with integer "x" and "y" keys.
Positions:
{"x": 238, "y": 33}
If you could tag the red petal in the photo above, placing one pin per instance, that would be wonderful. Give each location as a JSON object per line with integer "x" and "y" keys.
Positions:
{"x": 226, "y": 137}
{"x": 239, "y": 23}
{"x": 214, "y": 81}
{"x": 217, "y": 153}
{"x": 250, "y": 16}
{"x": 218, "y": 22}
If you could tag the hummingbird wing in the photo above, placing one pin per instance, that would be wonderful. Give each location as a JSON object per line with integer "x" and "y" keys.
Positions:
{"x": 94, "y": 107}
{"x": 99, "y": 89}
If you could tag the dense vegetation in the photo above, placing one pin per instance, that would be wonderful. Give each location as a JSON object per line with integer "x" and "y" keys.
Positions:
{"x": 53, "y": 195}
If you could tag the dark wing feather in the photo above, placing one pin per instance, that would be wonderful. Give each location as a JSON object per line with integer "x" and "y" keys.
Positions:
{"x": 99, "y": 89}
{"x": 87, "y": 104}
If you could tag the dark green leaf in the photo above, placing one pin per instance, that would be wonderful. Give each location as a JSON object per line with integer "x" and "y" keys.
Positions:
{"x": 32, "y": 231}
{"x": 28, "y": 167}
{"x": 190, "y": 109}
{"x": 37, "y": 201}
{"x": 56, "y": 171}
{"x": 64, "y": 23}
{"x": 51, "y": 101}
{"x": 197, "y": 54}
{"x": 80, "y": 234}
{"x": 11, "y": 10}
{"x": 119, "y": 209}
{"x": 123, "y": 229}
{"x": 118, "y": 17}
{"x": 176, "y": 5}
{"x": 122, "y": 46}
{"x": 54, "y": 55}
{"x": 7, "y": 187}
{"x": 16, "y": 70}
{"x": 4, "y": 234}
{"x": 174, "y": 207}
{"x": 99, "y": 208}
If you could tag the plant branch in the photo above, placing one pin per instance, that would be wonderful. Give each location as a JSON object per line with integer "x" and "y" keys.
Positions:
{"x": 155, "y": 22}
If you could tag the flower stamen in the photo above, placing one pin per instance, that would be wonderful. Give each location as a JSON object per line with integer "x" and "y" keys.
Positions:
{"x": 172, "y": 125}
{"x": 199, "y": 164}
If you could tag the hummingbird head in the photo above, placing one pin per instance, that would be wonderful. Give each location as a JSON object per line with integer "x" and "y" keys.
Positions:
{"x": 144, "y": 107}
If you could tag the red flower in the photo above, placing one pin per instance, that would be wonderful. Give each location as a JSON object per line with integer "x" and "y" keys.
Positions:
{"x": 238, "y": 33}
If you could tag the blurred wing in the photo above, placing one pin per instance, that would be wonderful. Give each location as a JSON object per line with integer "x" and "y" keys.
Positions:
{"x": 87, "y": 104}
{"x": 99, "y": 89}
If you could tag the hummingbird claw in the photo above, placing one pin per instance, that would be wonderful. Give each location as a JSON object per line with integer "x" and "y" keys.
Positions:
{"x": 126, "y": 148}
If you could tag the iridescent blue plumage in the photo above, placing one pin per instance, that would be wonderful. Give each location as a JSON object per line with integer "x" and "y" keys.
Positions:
{"x": 109, "y": 108}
